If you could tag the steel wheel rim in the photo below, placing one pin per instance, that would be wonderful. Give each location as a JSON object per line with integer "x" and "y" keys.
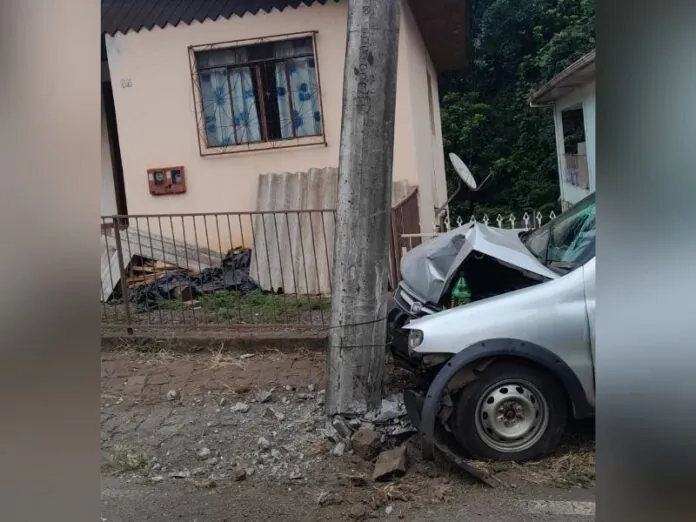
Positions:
{"x": 511, "y": 416}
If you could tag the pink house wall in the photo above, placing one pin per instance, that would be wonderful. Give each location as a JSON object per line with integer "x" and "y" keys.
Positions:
{"x": 157, "y": 122}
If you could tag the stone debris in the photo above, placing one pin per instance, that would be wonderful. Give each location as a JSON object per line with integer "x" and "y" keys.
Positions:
{"x": 206, "y": 483}
{"x": 204, "y": 453}
{"x": 245, "y": 356}
{"x": 198, "y": 472}
{"x": 184, "y": 474}
{"x": 388, "y": 510}
{"x": 359, "y": 512}
{"x": 355, "y": 423}
{"x": 270, "y": 413}
{"x": 239, "y": 474}
{"x": 265, "y": 396}
{"x": 223, "y": 402}
{"x": 311, "y": 388}
{"x": 156, "y": 479}
{"x": 173, "y": 395}
{"x": 329, "y": 499}
{"x": 390, "y": 463}
{"x": 212, "y": 461}
{"x": 366, "y": 443}
{"x": 240, "y": 407}
{"x": 264, "y": 444}
{"x": 342, "y": 428}
{"x": 339, "y": 449}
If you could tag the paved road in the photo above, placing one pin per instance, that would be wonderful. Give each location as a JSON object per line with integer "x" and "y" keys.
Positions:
{"x": 125, "y": 501}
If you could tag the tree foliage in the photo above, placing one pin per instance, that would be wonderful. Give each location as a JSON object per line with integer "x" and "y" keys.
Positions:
{"x": 486, "y": 117}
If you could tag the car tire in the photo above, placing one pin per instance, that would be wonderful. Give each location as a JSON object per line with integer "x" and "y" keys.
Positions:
{"x": 512, "y": 412}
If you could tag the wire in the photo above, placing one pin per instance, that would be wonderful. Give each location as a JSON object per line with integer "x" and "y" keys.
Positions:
{"x": 350, "y": 325}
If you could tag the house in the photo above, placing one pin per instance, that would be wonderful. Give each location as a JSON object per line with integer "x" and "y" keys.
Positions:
{"x": 215, "y": 93}
{"x": 572, "y": 95}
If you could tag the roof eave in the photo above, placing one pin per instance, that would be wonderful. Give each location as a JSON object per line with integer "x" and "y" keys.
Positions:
{"x": 577, "y": 74}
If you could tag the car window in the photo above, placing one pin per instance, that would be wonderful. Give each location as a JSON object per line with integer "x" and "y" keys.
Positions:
{"x": 568, "y": 240}
{"x": 572, "y": 237}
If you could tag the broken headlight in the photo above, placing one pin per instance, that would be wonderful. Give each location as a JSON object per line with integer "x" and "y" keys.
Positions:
{"x": 415, "y": 338}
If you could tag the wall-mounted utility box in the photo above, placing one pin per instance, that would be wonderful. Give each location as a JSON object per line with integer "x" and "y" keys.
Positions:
{"x": 165, "y": 181}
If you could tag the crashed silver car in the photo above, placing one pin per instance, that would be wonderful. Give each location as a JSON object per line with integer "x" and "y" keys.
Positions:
{"x": 499, "y": 326}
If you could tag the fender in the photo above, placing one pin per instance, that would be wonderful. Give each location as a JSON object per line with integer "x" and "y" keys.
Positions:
{"x": 497, "y": 347}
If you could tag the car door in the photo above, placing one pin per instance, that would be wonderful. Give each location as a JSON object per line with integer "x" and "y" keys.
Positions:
{"x": 589, "y": 282}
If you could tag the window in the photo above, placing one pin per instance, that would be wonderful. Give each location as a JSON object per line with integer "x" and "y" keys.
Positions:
{"x": 259, "y": 93}
{"x": 568, "y": 240}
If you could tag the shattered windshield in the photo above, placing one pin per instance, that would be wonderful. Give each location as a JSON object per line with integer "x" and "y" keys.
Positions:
{"x": 568, "y": 240}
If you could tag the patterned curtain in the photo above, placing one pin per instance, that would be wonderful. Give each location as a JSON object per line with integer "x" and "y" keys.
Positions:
{"x": 297, "y": 90}
{"x": 231, "y": 118}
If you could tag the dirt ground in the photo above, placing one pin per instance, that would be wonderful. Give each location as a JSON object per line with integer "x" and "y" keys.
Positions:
{"x": 198, "y": 437}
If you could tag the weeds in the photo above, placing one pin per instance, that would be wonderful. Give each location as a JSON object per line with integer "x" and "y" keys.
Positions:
{"x": 124, "y": 460}
{"x": 254, "y": 307}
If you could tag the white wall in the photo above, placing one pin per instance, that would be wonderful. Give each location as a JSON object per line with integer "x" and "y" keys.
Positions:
{"x": 108, "y": 191}
{"x": 585, "y": 96}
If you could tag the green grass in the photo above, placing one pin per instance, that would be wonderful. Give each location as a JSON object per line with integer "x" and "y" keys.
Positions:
{"x": 125, "y": 460}
{"x": 255, "y": 307}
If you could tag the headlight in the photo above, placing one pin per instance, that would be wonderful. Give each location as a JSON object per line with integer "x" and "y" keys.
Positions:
{"x": 415, "y": 338}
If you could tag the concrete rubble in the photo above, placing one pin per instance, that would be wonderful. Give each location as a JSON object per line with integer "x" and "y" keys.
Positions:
{"x": 390, "y": 464}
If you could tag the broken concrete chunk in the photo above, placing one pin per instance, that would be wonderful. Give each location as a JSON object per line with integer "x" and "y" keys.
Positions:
{"x": 366, "y": 443}
{"x": 341, "y": 426}
{"x": 270, "y": 413}
{"x": 339, "y": 450}
{"x": 240, "y": 407}
{"x": 204, "y": 453}
{"x": 265, "y": 396}
{"x": 239, "y": 474}
{"x": 390, "y": 463}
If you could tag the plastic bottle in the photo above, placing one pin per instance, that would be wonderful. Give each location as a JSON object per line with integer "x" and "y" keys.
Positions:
{"x": 460, "y": 293}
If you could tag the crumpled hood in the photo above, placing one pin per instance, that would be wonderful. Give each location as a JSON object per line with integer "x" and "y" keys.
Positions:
{"x": 429, "y": 268}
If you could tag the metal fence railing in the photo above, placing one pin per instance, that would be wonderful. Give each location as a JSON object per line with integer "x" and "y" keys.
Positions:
{"x": 234, "y": 269}
{"x": 524, "y": 220}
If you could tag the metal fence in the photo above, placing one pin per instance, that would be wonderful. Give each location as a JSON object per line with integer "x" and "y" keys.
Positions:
{"x": 524, "y": 220}
{"x": 234, "y": 269}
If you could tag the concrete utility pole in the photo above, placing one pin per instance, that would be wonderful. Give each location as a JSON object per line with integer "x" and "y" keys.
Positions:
{"x": 355, "y": 367}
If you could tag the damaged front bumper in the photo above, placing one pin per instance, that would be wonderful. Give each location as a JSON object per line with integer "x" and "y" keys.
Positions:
{"x": 402, "y": 308}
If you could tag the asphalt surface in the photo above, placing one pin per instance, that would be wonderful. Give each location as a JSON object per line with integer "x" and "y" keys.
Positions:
{"x": 125, "y": 501}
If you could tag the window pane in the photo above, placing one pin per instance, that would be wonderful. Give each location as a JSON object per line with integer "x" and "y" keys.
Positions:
{"x": 217, "y": 111}
{"x": 298, "y": 47}
{"x": 299, "y": 105}
{"x": 221, "y": 57}
{"x": 573, "y": 237}
{"x": 246, "y": 118}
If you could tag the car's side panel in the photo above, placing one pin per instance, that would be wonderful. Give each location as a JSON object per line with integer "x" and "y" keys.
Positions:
{"x": 498, "y": 347}
{"x": 551, "y": 314}
{"x": 590, "y": 300}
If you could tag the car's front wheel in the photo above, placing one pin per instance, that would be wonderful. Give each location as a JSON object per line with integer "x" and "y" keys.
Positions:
{"x": 513, "y": 411}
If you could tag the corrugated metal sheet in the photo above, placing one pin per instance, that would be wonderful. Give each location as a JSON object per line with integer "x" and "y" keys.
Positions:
{"x": 295, "y": 251}
{"x": 126, "y": 15}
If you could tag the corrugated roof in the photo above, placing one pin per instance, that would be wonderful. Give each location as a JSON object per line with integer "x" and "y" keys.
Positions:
{"x": 443, "y": 23}
{"x": 126, "y": 15}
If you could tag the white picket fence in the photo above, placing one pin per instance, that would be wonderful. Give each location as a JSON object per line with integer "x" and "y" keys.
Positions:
{"x": 525, "y": 221}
